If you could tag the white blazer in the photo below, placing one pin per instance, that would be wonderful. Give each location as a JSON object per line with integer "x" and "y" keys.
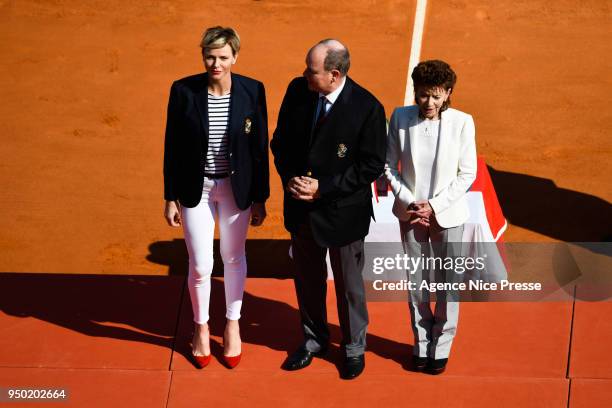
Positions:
{"x": 455, "y": 164}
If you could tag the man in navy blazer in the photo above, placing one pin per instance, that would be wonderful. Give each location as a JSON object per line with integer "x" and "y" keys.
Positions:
{"x": 329, "y": 146}
{"x": 187, "y": 141}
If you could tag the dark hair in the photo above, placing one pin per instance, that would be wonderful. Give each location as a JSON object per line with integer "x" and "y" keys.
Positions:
{"x": 336, "y": 57}
{"x": 434, "y": 74}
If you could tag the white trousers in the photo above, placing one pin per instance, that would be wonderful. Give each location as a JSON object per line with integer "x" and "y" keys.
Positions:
{"x": 433, "y": 331}
{"x": 199, "y": 227}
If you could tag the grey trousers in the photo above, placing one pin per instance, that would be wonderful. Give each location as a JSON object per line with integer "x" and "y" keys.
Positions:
{"x": 347, "y": 264}
{"x": 435, "y": 330}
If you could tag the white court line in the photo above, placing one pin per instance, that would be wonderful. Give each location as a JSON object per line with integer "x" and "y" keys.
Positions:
{"x": 415, "y": 48}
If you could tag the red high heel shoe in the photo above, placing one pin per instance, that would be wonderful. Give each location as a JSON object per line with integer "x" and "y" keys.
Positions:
{"x": 201, "y": 361}
{"x": 232, "y": 361}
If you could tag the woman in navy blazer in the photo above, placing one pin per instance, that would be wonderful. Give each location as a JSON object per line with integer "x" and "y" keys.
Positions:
{"x": 216, "y": 172}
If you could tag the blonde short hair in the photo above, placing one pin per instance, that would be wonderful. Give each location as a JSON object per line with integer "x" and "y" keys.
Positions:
{"x": 218, "y": 37}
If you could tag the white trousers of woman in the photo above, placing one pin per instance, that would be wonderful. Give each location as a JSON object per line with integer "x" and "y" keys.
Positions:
{"x": 199, "y": 227}
{"x": 433, "y": 331}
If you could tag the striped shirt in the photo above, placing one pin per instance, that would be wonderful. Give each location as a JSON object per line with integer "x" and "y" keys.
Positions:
{"x": 217, "y": 156}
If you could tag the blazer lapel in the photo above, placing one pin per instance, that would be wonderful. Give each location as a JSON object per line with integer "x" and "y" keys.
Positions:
{"x": 201, "y": 102}
{"x": 237, "y": 110}
{"x": 310, "y": 108}
{"x": 412, "y": 135}
{"x": 343, "y": 100}
{"x": 443, "y": 146}
{"x": 337, "y": 110}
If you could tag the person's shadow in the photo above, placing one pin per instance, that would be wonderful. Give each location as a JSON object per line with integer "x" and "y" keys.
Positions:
{"x": 276, "y": 325}
{"x": 539, "y": 205}
{"x": 156, "y": 309}
{"x": 267, "y": 322}
{"x": 580, "y": 219}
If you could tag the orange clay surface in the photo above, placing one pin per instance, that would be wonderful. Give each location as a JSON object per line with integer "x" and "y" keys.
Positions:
{"x": 85, "y": 88}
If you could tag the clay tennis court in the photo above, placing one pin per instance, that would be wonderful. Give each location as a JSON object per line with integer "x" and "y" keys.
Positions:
{"x": 92, "y": 292}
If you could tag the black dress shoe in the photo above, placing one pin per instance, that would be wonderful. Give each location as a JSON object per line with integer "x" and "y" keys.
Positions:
{"x": 301, "y": 359}
{"x": 419, "y": 363}
{"x": 435, "y": 367}
{"x": 353, "y": 366}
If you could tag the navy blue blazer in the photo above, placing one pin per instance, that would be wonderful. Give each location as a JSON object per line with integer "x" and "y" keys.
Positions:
{"x": 186, "y": 141}
{"x": 346, "y": 153}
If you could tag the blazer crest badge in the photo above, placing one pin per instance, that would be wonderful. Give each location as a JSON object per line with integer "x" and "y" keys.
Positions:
{"x": 342, "y": 149}
{"x": 247, "y": 125}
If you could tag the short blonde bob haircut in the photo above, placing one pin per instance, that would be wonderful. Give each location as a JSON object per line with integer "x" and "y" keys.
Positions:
{"x": 217, "y": 37}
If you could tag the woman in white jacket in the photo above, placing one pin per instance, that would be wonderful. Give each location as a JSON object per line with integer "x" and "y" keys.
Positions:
{"x": 431, "y": 164}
